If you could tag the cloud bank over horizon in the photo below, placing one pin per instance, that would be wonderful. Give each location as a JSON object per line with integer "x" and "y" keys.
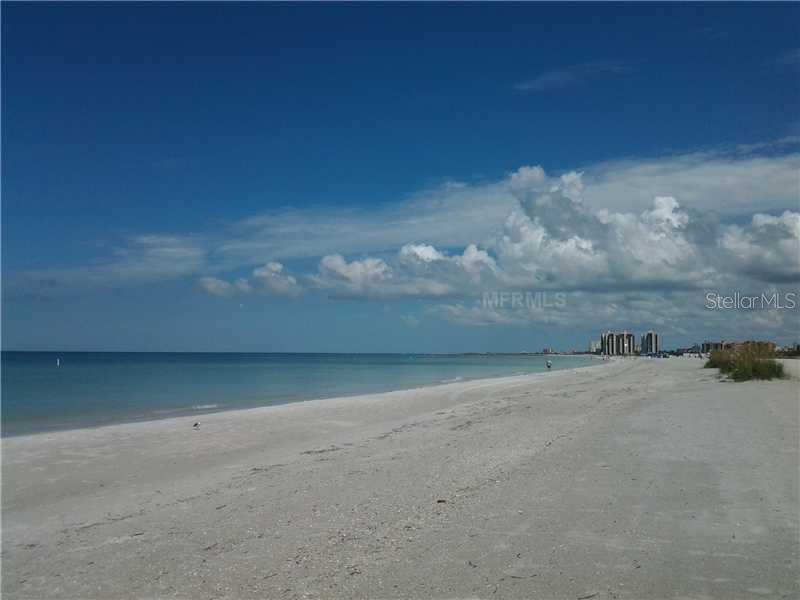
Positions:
{"x": 628, "y": 241}
{"x": 650, "y": 267}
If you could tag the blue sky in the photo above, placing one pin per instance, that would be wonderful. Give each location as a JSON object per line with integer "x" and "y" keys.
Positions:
{"x": 155, "y": 153}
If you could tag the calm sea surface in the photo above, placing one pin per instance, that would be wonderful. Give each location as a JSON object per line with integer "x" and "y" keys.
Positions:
{"x": 95, "y": 388}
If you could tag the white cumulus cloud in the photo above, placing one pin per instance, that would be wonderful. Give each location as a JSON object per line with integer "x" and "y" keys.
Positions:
{"x": 274, "y": 278}
{"x": 225, "y": 289}
{"x": 768, "y": 249}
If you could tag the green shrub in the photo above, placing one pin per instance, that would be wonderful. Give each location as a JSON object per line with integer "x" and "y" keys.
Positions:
{"x": 720, "y": 359}
{"x": 746, "y": 362}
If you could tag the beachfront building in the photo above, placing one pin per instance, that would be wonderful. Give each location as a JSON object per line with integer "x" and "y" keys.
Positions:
{"x": 617, "y": 343}
{"x": 696, "y": 349}
{"x": 712, "y": 346}
{"x": 757, "y": 345}
{"x": 651, "y": 343}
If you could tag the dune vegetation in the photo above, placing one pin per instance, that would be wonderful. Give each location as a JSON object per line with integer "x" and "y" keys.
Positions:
{"x": 746, "y": 362}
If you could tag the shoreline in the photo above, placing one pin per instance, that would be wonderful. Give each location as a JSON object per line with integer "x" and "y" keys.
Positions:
{"x": 197, "y": 413}
{"x": 644, "y": 479}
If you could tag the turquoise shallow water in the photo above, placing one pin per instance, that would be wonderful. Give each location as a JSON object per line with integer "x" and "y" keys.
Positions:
{"x": 95, "y": 388}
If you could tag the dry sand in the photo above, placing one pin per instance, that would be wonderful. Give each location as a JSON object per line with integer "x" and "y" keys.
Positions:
{"x": 791, "y": 366}
{"x": 635, "y": 479}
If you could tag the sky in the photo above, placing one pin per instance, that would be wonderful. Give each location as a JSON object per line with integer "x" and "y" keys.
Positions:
{"x": 397, "y": 177}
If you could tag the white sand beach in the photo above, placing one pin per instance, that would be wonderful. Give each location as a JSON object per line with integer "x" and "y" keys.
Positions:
{"x": 630, "y": 479}
{"x": 791, "y": 367}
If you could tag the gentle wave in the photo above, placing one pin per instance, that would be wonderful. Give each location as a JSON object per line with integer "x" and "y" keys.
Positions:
{"x": 170, "y": 411}
{"x": 92, "y": 388}
{"x": 165, "y": 411}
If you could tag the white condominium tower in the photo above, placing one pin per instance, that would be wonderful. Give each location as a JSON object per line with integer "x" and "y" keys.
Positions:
{"x": 651, "y": 343}
{"x": 616, "y": 343}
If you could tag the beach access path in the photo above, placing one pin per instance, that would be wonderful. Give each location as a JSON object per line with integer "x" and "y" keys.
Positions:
{"x": 631, "y": 479}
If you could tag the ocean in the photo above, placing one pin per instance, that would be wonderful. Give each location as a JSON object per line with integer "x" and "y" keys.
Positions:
{"x": 96, "y": 388}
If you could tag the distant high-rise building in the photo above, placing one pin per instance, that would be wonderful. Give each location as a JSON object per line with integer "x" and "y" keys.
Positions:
{"x": 651, "y": 343}
{"x": 616, "y": 343}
